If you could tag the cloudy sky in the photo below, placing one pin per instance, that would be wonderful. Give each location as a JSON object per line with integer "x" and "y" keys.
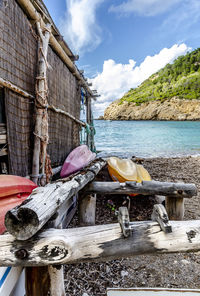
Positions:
{"x": 123, "y": 42}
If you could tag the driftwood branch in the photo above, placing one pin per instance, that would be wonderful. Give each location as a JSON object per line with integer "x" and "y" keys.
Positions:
{"x": 99, "y": 243}
{"x": 57, "y": 110}
{"x": 145, "y": 188}
{"x": 15, "y": 88}
{"x": 27, "y": 219}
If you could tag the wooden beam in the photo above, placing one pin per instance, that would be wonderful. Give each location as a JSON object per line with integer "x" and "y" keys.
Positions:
{"x": 57, "y": 110}
{"x": 15, "y": 88}
{"x": 145, "y": 188}
{"x": 99, "y": 243}
{"x": 27, "y": 219}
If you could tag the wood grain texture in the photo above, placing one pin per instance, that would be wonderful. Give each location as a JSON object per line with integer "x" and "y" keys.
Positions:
{"x": 99, "y": 243}
{"x": 87, "y": 210}
{"x": 145, "y": 188}
{"x": 28, "y": 218}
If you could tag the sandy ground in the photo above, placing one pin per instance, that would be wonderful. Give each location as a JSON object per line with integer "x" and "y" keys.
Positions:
{"x": 167, "y": 270}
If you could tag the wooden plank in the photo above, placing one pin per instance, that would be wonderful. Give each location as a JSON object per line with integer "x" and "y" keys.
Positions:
{"x": 145, "y": 188}
{"x": 151, "y": 292}
{"x": 99, "y": 243}
{"x": 27, "y": 219}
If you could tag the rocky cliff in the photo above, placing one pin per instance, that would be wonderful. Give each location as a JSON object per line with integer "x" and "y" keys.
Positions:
{"x": 171, "y": 109}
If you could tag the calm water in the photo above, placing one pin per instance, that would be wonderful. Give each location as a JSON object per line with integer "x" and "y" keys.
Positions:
{"x": 147, "y": 138}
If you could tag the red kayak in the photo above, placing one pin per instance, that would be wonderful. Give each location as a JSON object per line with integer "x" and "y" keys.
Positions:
{"x": 13, "y": 191}
{"x": 79, "y": 158}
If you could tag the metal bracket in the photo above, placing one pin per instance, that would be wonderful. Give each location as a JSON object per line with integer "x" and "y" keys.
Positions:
{"x": 123, "y": 218}
{"x": 160, "y": 215}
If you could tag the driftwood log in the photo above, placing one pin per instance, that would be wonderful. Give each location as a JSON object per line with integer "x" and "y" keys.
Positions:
{"x": 99, "y": 243}
{"x": 181, "y": 190}
{"x": 28, "y": 218}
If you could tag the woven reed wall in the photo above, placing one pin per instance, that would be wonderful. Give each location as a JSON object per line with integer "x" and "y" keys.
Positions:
{"x": 19, "y": 133}
{"x": 18, "y": 47}
{"x": 18, "y": 63}
{"x": 64, "y": 93}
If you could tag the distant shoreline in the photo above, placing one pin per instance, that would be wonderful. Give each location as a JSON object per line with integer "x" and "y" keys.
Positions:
{"x": 174, "y": 109}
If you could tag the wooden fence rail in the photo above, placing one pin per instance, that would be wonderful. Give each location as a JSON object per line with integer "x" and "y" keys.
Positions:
{"x": 98, "y": 243}
{"x": 146, "y": 188}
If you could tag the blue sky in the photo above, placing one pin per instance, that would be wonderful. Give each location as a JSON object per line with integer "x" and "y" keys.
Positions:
{"x": 122, "y": 42}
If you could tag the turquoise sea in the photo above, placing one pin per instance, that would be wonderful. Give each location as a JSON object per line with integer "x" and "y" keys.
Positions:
{"x": 147, "y": 138}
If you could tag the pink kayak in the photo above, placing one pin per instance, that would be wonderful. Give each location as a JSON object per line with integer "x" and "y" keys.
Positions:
{"x": 76, "y": 160}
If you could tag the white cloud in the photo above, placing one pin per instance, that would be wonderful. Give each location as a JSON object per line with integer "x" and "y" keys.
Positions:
{"x": 116, "y": 79}
{"x": 144, "y": 7}
{"x": 79, "y": 27}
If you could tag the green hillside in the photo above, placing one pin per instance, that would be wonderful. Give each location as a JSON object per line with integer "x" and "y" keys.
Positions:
{"x": 181, "y": 79}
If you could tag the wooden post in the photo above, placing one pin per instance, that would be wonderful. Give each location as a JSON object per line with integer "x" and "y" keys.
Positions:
{"x": 56, "y": 275}
{"x": 87, "y": 210}
{"x": 37, "y": 281}
{"x": 41, "y": 124}
{"x": 174, "y": 190}
{"x": 174, "y": 207}
{"x": 88, "y": 119}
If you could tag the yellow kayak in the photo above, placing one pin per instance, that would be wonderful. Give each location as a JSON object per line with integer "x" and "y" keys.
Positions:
{"x": 123, "y": 170}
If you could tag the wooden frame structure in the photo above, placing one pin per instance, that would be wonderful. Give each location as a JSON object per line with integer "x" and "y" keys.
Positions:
{"x": 43, "y": 88}
{"x": 37, "y": 240}
{"x": 38, "y": 248}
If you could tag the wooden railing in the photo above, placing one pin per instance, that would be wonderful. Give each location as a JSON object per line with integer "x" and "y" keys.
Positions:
{"x": 33, "y": 244}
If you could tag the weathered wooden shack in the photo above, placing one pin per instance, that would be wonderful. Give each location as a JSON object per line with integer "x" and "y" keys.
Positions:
{"x": 40, "y": 91}
{"x": 40, "y": 98}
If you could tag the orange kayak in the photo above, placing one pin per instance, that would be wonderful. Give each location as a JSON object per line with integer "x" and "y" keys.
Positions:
{"x": 13, "y": 191}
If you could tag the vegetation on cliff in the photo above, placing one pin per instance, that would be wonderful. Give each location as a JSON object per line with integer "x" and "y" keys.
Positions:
{"x": 180, "y": 79}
